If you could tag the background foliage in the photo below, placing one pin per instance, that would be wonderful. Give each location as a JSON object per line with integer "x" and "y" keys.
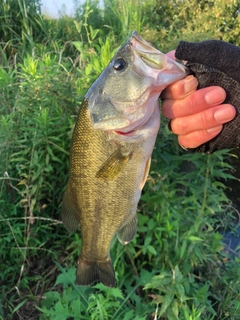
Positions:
{"x": 176, "y": 267}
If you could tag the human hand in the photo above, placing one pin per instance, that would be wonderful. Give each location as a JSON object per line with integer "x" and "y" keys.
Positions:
{"x": 200, "y": 114}
{"x": 196, "y": 116}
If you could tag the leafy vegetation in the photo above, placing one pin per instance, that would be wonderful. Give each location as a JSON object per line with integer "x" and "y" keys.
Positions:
{"x": 176, "y": 267}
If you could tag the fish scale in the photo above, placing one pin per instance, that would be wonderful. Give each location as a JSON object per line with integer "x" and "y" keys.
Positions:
{"x": 109, "y": 167}
{"x": 97, "y": 205}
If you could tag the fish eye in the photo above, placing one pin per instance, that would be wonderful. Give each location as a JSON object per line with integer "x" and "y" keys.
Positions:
{"x": 119, "y": 64}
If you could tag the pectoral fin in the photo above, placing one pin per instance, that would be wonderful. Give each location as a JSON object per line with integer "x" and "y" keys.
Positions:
{"x": 127, "y": 233}
{"x": 146, "y": 172}
{"x": 69, "y": 217}
{"x": 113, "y": 166}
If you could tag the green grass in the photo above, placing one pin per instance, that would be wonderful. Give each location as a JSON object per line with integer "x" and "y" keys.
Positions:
{"x": 176, "y": 267}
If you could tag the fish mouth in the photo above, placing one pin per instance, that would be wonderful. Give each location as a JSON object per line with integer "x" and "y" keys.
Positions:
{"x": 122, "y": 133}
{"x": 139, "y": 112}
{"x": 152, "y": 57}
{"x": 132, "y": 135}
{"x": 133, "y": 127}
{"x": 137, "y": 119}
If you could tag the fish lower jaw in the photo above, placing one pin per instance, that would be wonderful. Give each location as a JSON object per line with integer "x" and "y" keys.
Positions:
{"x": 125, "y": 137}
{"x": 133, "y": 134}
{"x": 124, "y": 133}
{"x": 122, "y": 136}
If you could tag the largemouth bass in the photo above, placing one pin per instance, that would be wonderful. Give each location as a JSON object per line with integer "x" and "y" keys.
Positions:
{"x": 111, "y": 149}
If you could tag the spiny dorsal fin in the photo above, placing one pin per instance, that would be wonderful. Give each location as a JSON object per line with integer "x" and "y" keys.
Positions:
{"x": 69, "y": 217}
{"x": 127, "y": 233}
{"x": 113, "y": 166}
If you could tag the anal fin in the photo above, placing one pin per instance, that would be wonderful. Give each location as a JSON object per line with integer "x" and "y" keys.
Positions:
{"x": 69, "y": 217}
{"x": 89, "y": 272}
{"x": 127, "y": 232}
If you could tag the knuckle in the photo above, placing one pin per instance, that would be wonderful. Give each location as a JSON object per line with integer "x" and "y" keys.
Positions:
{"x": 179, "y": 126}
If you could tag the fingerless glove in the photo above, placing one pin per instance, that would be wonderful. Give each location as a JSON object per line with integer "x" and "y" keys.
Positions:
{"x": 216, "y": 63}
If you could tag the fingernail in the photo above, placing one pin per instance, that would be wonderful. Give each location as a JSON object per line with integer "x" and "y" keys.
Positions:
{"x": 216, "y": 95}
{"x": 224, "y": 114}
{"x": 190, "y": 84}
{"x": 215, "y": 129}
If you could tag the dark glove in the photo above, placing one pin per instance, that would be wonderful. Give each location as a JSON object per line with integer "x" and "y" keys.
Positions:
{"x": 216, "y": 63}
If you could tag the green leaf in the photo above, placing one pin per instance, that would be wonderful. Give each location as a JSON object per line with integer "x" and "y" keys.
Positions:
{"x": 19, "y": 306}
{"x": 78, "y": 45}
{"x": 175, "y": 308}
{"x": 183, "y": 248}
{"x": 68, "y": 277}
{"x": 76, "y": 307}
{"x": 50, "y": 298}
{"x": 152, "y": 250}
{"x": 129, "y": 315}
{"x": 194, "y": 238}
{"x": 180, "y": 292}
{"x": 114, "y": 292}
{"x": 78, "y": 25}
{"x": 199, "y": 253}
{"x": 93, "y": 32}
{"x": 88, "y": 69}
{"x": 166, "y": 301}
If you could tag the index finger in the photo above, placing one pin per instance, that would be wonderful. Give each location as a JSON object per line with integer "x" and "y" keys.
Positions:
{"x": 180, "y": 89}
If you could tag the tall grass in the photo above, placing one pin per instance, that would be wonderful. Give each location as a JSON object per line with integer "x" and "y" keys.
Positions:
{"x": 176, "y": 267}
{"x": 21, "y": 25}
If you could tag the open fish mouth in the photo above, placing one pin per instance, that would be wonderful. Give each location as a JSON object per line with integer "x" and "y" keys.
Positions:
{"x": 139, "y": 112}
{"x": 148, "y": 71}
{"x": 151, "y": 57}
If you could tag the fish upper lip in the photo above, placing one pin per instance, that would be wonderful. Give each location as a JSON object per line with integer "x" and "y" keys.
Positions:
{"x": 141, "y": 44}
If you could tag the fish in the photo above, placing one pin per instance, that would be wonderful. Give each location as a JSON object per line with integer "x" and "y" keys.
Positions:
{"x": 110, "y": 153}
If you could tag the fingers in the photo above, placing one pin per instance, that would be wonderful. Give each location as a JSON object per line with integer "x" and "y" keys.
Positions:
{"x": 203, "y": 120}
{"x": 199, "y": 128}
{"x": 193, "y": 103}
{"x": 197, "y": 116}
{"x": 180, "y": 89}
{"x": 198, "y": 137}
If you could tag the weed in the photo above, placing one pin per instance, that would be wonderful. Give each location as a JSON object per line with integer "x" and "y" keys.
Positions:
{"x": 176, "y": 267}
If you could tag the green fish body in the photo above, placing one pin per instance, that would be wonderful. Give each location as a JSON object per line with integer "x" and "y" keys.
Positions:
{"x": 111, "y": 152}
